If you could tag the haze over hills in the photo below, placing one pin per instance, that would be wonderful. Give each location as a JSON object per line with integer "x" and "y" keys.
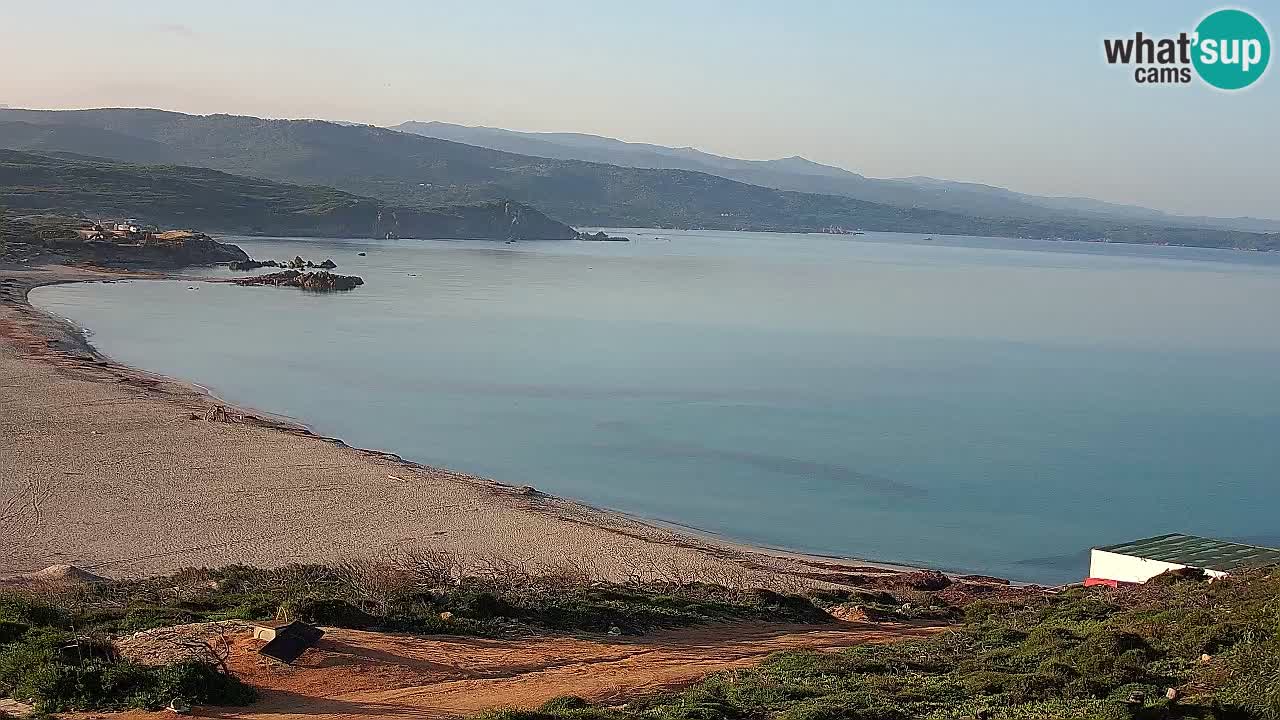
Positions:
{"x": 204, "y": 199}
{"x": 799, "y": 174}
{"x": 413, "y": 171}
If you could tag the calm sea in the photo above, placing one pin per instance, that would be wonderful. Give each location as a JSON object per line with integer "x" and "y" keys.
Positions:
{"x": 973, "y": 404}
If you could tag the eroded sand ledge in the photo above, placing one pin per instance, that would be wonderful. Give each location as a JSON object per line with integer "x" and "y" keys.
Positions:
{"x": 123, "y": 473}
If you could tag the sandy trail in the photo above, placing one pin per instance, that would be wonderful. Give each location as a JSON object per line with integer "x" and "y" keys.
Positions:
{"x": 369, "y": 675}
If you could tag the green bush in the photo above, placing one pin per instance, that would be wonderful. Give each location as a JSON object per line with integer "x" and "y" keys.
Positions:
{"x": 62, "y": 671}
{"x": 97, "y": 685}
{"x": 201, "y": 683}
{"x": 327, "y": 611}
{"x": 16, "y": 608}
{"x": 11, "y": 631}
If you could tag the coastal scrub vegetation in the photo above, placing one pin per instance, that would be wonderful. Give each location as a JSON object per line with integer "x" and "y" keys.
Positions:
{"x": 1174, "y": 648}
{"x": 1177, "y": 647}
{"x": 47, "y": 658}
{"x": 402, "y": 597}
{"x": 59, "y": 649}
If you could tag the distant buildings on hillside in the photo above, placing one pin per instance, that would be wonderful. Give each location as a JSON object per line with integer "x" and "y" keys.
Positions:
{"x": 127, "y": 230}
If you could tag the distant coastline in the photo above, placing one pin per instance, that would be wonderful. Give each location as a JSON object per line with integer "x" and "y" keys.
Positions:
{"x": 860, "y": 235}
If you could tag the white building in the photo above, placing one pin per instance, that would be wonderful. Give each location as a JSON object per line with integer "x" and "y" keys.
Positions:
{"x": 1141, "y": 560}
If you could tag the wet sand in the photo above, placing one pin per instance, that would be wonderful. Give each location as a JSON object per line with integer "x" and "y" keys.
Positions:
{"x": 125, "y": 473}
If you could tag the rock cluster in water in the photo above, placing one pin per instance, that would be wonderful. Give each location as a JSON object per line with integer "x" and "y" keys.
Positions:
{"x": 322, "y": 281}
{"x": 296, "y": 263}
{"x": 602, "y": 236}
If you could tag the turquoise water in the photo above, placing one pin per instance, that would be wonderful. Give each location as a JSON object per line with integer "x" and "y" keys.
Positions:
{"x": 973, "y": 404}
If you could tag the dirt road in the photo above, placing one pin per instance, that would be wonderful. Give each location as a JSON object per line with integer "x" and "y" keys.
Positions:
{"x": 353, "y": 674}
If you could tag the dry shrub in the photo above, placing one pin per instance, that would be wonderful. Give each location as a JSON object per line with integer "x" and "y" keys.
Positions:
{"x": 376, "y": 582}
{"x": 432, "y": 567}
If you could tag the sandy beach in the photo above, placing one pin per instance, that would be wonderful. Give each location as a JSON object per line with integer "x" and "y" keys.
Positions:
{"x": 124, "y": 473}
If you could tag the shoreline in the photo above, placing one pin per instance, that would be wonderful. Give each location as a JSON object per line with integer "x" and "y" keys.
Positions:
{"x": 634, "y": 547}
{"x": 862, "y": 232}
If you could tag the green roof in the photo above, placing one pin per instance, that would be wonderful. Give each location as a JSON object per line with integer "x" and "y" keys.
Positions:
{"x": 1198, "y": 552}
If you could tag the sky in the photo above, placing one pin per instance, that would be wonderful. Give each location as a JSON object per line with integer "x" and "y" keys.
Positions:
{"x": 1014, "y": 94}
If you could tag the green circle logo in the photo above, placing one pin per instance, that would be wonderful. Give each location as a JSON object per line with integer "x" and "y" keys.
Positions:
{"x": 1232, "y": 49}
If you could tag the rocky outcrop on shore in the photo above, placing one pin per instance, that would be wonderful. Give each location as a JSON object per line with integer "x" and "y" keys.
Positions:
{"x": 60, "y": 238}
{"x": 252, "y": 264}
{"x": 193, "y": 249}
{"x": 322, "y": 281}
{"x": 297, "y": 263}
{"x": 602, "y": 236}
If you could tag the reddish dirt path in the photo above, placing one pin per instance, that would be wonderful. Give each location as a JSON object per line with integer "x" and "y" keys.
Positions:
{"x": 352, "y": 674}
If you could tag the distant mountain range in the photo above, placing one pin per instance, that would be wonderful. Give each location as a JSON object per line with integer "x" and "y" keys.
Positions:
{"x": 797, "y": 173}
{"x": 414, "y": 172}
{"x": 208, "y": 200}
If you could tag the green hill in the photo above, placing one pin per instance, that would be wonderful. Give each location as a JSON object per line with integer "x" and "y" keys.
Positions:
{"x": 422, "y": 172}
{"x": 797, "y": 173}
{"x": 208, "y": 200}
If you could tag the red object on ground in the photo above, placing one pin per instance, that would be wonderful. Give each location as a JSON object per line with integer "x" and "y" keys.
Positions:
{"x": 1090, "y": 582}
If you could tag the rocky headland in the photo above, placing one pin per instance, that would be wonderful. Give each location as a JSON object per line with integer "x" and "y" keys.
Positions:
{"x": 62, "y": 239}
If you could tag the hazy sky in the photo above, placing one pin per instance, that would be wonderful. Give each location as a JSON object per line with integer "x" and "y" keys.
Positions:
{"x": 1008, "y": 93}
